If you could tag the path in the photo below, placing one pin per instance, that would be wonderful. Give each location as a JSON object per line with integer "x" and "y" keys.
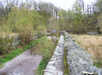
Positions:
{"x": 25, "y": 64}
{"x": 78, "y": 60}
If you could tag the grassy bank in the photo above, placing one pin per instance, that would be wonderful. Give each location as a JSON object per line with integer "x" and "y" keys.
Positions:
{"x": 7, "y": 57}
{"x": 93, "y": 44}
{"x": 66, "y": 66}
{"x": 45, "y": 48}
{"x": 42, "y": 46}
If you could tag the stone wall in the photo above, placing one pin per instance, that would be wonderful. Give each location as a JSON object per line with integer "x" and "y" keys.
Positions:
{"x": 80, "y": 62}
{"x": 56, "y": 64}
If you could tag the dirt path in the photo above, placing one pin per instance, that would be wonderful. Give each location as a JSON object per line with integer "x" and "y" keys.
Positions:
{"x": 25, "y": 64}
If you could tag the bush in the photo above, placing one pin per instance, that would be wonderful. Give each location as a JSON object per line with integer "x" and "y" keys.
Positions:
{"x": 25, "y": 38}
{"x": 5, "y": 45}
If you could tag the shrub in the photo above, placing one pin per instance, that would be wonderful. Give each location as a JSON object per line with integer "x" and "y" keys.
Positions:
{"x": 5, "y": 45}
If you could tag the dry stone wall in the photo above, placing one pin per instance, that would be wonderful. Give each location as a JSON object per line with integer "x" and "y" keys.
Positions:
{"x": 56, "y": 64}
{"x": 80, "y": 62}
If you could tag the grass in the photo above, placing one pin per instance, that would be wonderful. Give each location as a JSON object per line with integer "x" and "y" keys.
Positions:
{"x": 45, "y": 48}
{"x": 16, "y": 52}
{"x": 98, "y": 63}
{"x": 66, "y": 68}
{"x": 11, "y": 55}
{"x": 42, "y": 46}
{"x": 93, "y": 44}
{"x": 42, "y": 66}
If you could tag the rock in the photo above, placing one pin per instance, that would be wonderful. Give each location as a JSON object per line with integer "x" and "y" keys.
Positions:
{"x": 53, "y": 38}
{"x": 56, "y": 64}
{"x": 92, "y": 33}
{"x": 78, "y": 59}
{"x": 15, "y": 41}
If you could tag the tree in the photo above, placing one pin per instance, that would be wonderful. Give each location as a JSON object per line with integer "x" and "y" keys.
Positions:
{"x": 99, "y": 6}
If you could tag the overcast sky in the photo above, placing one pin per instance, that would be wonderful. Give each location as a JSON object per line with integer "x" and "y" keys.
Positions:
{"x": 65, "y": 4}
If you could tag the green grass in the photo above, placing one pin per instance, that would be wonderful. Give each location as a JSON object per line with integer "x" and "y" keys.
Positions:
{"x": 42, "y": 46}
{"x": 11, "y": 55}
{"x": 42, "y": 66}
{"x": 98, "y": 64}
{"x": 17, "y": 51}
{"x": 46, "y": 48}
{"x": 66, "y": 68}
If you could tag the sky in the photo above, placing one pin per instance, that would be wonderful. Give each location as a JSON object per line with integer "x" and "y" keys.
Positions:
{"x": 65, "y": 4}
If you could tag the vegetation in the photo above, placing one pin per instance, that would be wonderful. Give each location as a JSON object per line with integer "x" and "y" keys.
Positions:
{"x": 41, "y": 17}
{"x": 66, "y": 66}
{"x": 29, "y": 24}
{"x": 9, "y": 56}
{"x": 77, "y": 21}
{"x": 16, "y": 52}
{"x": 30, "y": 20}
{"x": 5, "y": 45}
{"x": 93, "y": 44}
{"x": 98, "y": 63}
{"x": 42, "y": 46}
{"x": 45, "y": 48}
